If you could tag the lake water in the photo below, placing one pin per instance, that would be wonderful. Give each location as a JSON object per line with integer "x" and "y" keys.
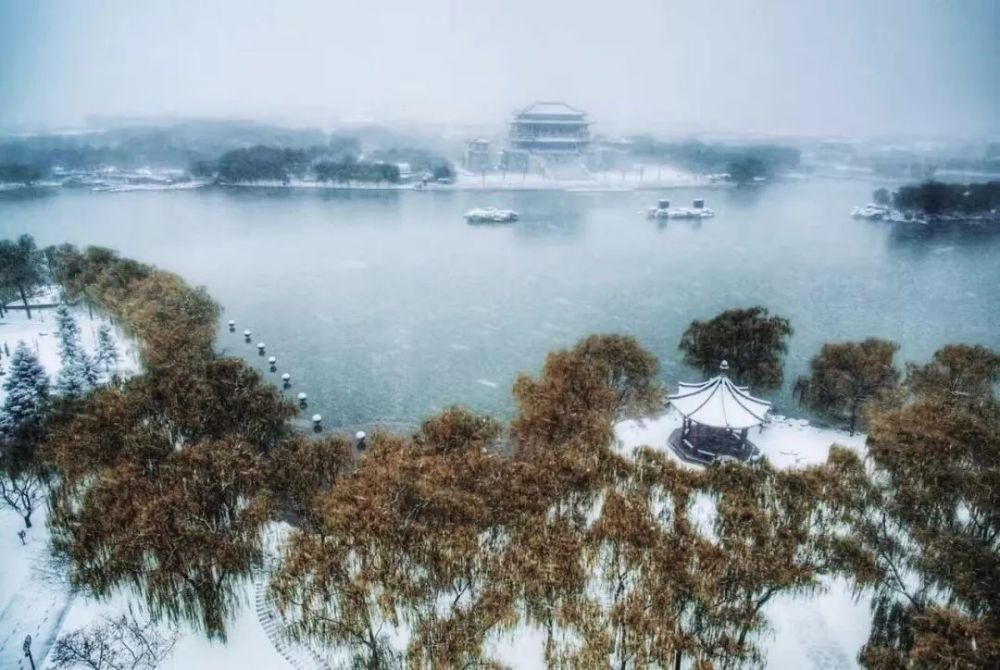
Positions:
{"x": 387, "y": 306}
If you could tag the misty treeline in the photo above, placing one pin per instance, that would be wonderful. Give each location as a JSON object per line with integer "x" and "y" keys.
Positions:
{"x": 261, "y": 163}
{"x": 164, "y": 485}
{"x": 743, "y": 162}
{"x": 940, "y": 198}
{"x": 140, "y": 145}
{"x": 238, "y": 151}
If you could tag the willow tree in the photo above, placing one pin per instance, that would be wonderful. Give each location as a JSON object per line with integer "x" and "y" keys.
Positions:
{"x": 926, "y": 522}
{"x": 188, "y": 441}
{"x": 642, "y": 575}
{"x": 190, "y": 456}
{"x": 173, "y": 323}
{"x": 415, "y": 526}
{"x": 959, "y": 372}
{"x": 774, "y": 533}
{"x": 565, "y": 417}
{"x": 751, "y": 340}
{"x": 848, "y": 376}
{"x": 300, "y": 470}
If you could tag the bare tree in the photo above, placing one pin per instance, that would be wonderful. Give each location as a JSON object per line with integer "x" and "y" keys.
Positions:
{"x": 22, "y": 492}
{"x": 121, "y": 643}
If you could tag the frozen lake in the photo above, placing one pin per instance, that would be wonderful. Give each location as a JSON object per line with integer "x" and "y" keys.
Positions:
{"x": 388, "y": 306}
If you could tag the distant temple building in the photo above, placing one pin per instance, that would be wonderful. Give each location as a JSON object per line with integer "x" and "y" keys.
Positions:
{"x": 548, "y": 132}
{"x": 550, "y": 127}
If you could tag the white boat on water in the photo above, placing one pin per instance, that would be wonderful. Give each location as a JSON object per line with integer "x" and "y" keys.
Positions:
{"x": 872, "y": 212}
{"x": 490, "y": 215}
{"x": 663, "y": 210}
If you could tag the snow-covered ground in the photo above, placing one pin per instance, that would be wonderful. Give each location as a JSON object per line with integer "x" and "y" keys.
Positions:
{"x": 39, "y": 333}
{"x": 787, "y": 443}
{"x": 34, "y": 595}
{"x": 823, "y": 631}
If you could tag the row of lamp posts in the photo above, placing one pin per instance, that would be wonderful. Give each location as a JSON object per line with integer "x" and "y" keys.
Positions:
{"x": 286, "y": 383}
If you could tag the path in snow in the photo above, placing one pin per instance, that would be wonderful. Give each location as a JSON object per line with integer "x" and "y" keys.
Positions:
{"x": 33, "y": 596}
{"x": 822, "y": 650}
{"x": 299, "y": 656}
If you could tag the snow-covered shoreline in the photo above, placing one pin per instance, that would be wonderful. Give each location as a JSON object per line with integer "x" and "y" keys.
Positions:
{"x": 649, "y": 177}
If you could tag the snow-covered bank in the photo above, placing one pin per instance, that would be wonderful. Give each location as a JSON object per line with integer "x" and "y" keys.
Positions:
{"x": 650, "y": 177}
{"x": 633, "y": 179}
{"x": 787, "y": 443}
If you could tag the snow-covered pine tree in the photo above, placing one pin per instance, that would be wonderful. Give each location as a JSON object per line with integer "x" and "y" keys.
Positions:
{"x": 69, "y": 333}
{"x": 78, "y": 373}
{"x": 27, "y": 389}
{"x": 107, "y": 350}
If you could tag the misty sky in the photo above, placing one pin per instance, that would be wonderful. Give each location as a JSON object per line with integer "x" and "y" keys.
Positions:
{"x": 856, "y": 67}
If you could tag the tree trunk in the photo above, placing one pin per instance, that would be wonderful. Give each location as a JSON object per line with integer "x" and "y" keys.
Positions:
{"x": 854, "y": 416}
{"x": 27, "y": 520}
{"x": 24, "y": 299}
{"x": 677, "y": 659}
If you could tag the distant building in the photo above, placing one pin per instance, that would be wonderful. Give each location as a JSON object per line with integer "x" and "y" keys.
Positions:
{"x": 550, "y": 138}
{"x": 477, "y": 156}
{"x": 550, "y": 127}
{"x": 405, "y": 172}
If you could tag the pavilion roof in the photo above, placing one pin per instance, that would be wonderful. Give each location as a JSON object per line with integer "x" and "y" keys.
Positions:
{"x": 556, "y": 109}
{"x": 719, "y": 403}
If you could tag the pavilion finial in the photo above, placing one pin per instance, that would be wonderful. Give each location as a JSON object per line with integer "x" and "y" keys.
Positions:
{"x": 724, "y": 367}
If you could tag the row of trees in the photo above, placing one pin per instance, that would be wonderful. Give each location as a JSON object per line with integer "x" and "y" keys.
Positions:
{"x": 742, "y": 162}
{"x": 935, "y": 198}
{"x": 350, "y": 170}
{"x": 149, "y": 145}
{"x": 846, "y": 379}
{"x": 470, "y": 528}
{"x": 19, "y": 173}
{"x": 263, "y": 163}
{"x": 617, "y": 560}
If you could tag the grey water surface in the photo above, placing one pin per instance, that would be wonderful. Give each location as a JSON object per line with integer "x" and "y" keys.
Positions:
{"x": 386, "y": 306}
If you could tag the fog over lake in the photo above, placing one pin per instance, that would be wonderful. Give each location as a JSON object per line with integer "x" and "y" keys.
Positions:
{"x": 850, "y": 67}
{"x": 386, "y": 306}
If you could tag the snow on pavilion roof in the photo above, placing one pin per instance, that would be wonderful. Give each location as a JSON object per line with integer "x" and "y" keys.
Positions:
{"x": 719, "y": 403}
{"x": 550, "y": 109}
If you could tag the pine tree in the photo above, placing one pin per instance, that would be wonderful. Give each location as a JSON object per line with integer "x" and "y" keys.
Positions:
{"x": 27, "y": 389}
{"x": 78, "y": 373}
{"x": 107, "y": 350}
{"x": 69, "y": 333}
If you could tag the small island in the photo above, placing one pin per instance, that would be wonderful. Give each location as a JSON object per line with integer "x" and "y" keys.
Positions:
{"x": 935, "y": 202}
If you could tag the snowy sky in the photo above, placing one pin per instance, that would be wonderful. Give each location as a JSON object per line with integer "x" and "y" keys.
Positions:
{"x": 857, "y": 67}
